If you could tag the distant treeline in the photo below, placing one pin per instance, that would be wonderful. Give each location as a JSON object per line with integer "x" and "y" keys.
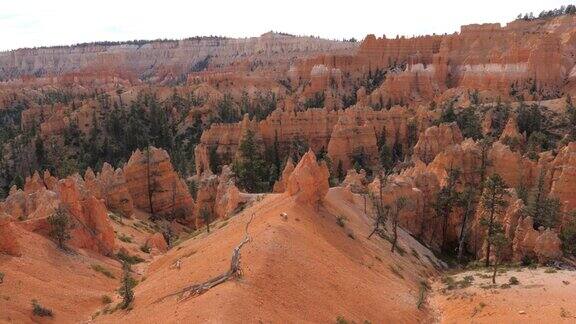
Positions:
{"x": 564, "y": 10}
{"x": 137, "y": 42}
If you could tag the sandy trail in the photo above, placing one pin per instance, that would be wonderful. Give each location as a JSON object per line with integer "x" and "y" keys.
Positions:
{"x": 542, "y": 296}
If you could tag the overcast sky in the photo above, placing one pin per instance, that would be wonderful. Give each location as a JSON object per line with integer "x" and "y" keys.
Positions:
{"x": 29, "y": 23}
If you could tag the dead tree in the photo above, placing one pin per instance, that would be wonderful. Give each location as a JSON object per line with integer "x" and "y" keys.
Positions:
{"x": 400, "y": 204}
{"x": 382, "y": 213}
{"x": 233, "y": 272}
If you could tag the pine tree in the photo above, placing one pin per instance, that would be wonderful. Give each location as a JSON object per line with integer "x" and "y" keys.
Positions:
{"x": 499, "y": 241}
{"x": 545, "y": 211}
{"x": 60, "y": 226}
{"x": 493, "y": 204}
{"x": 446, "y": 200}
{"x": 466, "y": 202}
{"x": 250, "y": 167}
{"x": 206, "y": 218}
{"x": 126, "y": 287}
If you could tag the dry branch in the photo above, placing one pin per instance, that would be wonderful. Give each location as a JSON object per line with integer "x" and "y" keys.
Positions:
{"x": 233, "y": 272}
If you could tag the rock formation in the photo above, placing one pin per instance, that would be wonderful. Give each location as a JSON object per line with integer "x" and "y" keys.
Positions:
{"x": 355, "y": 181}
{"x": 113, "y": 188}
{"x": 357, "y": 130}
{"x": 280, "y": 185}
{"x": 157, "y": 242}
{"x": 155, "y": 187}
{"x": 308, "y": 183}
{"x": 435, "y": 139}
{"x": 9, "y": 243}
{"x": 167, "y": 58}
{"x": 562, "y": 175}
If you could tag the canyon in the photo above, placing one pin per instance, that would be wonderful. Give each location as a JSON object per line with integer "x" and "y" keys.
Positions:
{"x": 351, "y": 181}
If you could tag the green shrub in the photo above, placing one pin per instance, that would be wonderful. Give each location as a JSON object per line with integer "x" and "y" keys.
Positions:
{"x": 396, "y": 272}
{"x": 550, "y": 270}
{"x": 341, "y": 221}
{"x": 106, "y": 299}
{"x": 145, "y": 248}
{"x": 1, "y": 277}
{"x": 513, "y": 281}
{"x": 341, "y": 320}
{"x": 102, "y": 270}
{"x": 39, "y": 310}
{"x": 125, "y": 238}
{"x": 422, "y": 294}
{"x": 130, "y": 259}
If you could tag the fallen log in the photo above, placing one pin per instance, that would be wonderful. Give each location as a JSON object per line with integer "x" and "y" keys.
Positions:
{"x": 233, "y": 272}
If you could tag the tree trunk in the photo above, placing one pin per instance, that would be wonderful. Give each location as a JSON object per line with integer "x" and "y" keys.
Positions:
{"x": 463, "y": 230}
{"x": 490, "y": 225}
{"x": 395, "y": 236}
{"x": 495, "y": 270}
{"x": 149, "y": 182}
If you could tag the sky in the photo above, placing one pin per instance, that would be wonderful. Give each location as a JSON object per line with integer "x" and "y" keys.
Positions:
{"x": 31, "y": 23}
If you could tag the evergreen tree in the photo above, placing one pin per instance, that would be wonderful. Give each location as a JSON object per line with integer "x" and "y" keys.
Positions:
{"x": 250, "y": 168}
{"x": 499, "y": 241}
{"x": 126, "y": 287}
{"x": 446, "y": 200}
{"x": 568, "y": 234}
{"x": 469, "y": 123}
{"x": 493, "y": 204}
{"x": 206, "y": 218}
{"x": 466, "y": 202}
{"x": 545, "y": 211}
{"x": 340, "y": 173}
{"x": 60, "y": 226}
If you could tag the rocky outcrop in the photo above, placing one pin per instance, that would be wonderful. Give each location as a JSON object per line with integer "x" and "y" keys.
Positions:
{"x": 157, "y": 242}
{"x": 9, "y": 243}
{"x": 281, "y": 184}
{"x": 228, "y": 197}
{"x": 465, "y": 157}
{"x": 317, "y": 128}
{"x": 511, "y": 131}
{"x": 542, "y": 245}
{"x": 349, "y": 139}
{"x": 515, "y": 169}
{"x": 395, "y": 187}
{"x": 435, "y": 139}
{"x": 206, "y": 196}
{"x": 93, "y": 228}
{"x": 562, "y": 176}
{"x": 155, "y": 187}
{"x": 355, "y": 181}
{"x": 165, "y": 57}
{"x": 308, "y": 183}
{"x": 111, "y": 185}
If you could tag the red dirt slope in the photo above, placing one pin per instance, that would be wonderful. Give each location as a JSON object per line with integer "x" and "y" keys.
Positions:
{"x": 303, "y": 269}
